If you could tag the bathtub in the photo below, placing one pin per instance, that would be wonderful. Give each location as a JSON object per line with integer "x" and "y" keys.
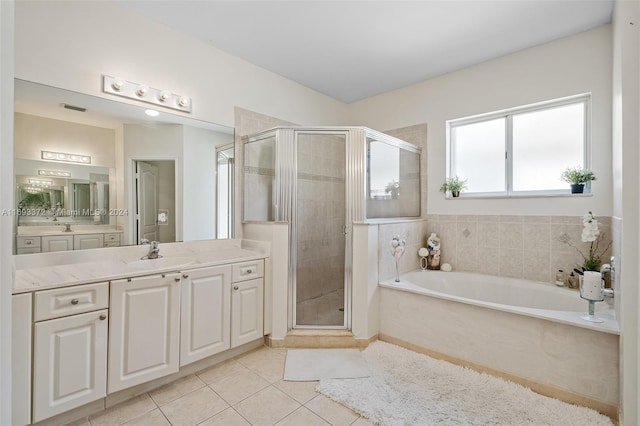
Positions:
{"x": 528, "y": 332}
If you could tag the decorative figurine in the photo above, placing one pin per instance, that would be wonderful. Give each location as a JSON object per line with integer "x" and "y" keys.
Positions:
{"x": 433, "y": 246}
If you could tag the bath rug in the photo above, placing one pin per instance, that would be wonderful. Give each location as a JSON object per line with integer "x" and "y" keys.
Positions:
{"x": 305, "y": 365}
{"x": 408, "y": 388}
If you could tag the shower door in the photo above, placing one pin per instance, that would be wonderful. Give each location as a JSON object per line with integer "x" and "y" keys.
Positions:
{"x": 320, "y": 233}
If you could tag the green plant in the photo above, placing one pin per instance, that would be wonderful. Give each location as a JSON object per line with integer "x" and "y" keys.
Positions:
{"x": 393, "y": 188}
{"x": 577, "y": 175}
{"x": 453, "y": 185}
{"x": 590, "y": 234}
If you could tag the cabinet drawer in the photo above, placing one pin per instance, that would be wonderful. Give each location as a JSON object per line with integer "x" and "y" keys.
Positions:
{"x": 28, "y": 250}
{"x": 111, "y": 244}
{"x": 27, "y": 242}
{"x": 112, "y": 238}
{"x": 247, "y": 270}
{"x": 65, "y": 301}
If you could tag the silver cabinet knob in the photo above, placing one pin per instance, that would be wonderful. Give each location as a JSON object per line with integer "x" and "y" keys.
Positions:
{"x": 235, "y": 287}
{"x": 177, "y": 279}
{"x": 249, "y": 271}
{"x": 185, "y": 276}
{"x": 103, "y": 317}
{"x": 74, "y": 301}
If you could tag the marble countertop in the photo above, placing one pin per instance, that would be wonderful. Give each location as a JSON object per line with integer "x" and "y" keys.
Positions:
{"x": 51, "y": 270}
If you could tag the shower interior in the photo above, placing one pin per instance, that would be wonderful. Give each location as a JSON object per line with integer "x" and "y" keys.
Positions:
{"x": 321, "y": 181}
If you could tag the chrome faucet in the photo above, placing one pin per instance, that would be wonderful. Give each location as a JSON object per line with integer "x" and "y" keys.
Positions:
{"x": 608, "y": 292}
{"x": 154, "y": 250}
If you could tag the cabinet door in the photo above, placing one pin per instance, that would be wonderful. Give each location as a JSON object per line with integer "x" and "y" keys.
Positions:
{"x": 205, "y": 316}
{"x": 57, "y": 243}
{"x": 88, "y": 241}
{"x": 143, "y": 330}
{"x": 69, "y": 363}
{"x": 246, "y": 312}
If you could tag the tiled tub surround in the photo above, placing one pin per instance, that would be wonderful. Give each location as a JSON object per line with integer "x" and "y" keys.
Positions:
{"x": 575, "y": 364}
{"x": 509, "y": 246}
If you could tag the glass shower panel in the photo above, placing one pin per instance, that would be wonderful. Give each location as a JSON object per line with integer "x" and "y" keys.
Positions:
{"x": 320, "y": 230}
{"x": 393, "y": 181}
{"x": 259, "y": 180}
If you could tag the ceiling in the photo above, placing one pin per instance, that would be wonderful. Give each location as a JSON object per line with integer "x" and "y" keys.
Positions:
{"x": 351, "y": 50}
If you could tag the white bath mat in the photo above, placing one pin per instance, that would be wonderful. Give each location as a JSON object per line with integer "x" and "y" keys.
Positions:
{"x": 304, "y": 365}
{"x": 408, "y": 388}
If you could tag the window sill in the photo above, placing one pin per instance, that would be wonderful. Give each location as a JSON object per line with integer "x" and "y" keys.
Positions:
{"x": 517, "y": 196}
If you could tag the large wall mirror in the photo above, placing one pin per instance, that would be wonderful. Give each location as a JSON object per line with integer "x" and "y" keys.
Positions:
{"x": 96, "y": 165}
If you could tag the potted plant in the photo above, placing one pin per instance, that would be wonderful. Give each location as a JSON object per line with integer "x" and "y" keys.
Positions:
{"x": 453, "y": 185}
{"x": 577, "y": 177}
{"x": 393, "y": 188}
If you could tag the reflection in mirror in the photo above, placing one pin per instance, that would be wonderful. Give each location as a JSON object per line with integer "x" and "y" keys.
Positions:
{"x": 393, "y": 181}
{"x": 115, "y": 135}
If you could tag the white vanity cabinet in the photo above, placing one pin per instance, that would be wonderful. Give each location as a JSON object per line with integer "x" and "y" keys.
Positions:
{"x": 144, "y": 329}
{"x": 205, "y": 327}
{"x": 88, "y": 241}
{"x": 56, "y": 243}
{"x": 69, "y": 348}
{"x": 247, "y": 302}
{"x": 21, "y": 347}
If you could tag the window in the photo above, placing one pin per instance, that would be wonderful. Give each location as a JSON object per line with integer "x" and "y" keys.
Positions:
{"x": 520, "y": 151}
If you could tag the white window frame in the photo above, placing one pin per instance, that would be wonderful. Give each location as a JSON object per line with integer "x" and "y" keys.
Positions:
{"x": 508, "y": 114}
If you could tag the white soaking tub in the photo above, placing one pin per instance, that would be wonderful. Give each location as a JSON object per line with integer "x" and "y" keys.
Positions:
{"x": 529, "y": 332}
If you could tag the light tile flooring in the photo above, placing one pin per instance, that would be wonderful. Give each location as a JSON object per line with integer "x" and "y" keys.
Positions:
{"x": 323, "y": 310}
{"x": 247, "y": 390}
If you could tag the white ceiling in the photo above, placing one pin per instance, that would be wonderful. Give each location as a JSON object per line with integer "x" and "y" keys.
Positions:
{"x": 351, "y": 50}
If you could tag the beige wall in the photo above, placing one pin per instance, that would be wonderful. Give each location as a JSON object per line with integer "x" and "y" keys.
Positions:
{"x": 70, "y": 44}
{"x": 34, "y": 134}
{"x": 572, "y": 65}
{"x": 626, "y": 178}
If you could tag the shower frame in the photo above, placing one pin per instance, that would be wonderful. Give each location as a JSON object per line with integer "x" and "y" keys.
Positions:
{"x": 285, "y": 203}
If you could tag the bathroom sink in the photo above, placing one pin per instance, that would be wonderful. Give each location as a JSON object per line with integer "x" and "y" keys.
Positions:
{"x": 162, "y": 262}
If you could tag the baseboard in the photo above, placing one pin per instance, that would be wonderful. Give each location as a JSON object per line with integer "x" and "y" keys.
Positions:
{"x": 541, "y": 388}
{"x": 319, "y": 339}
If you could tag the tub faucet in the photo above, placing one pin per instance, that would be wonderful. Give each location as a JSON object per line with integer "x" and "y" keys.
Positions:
{"x": 608, "y": 292}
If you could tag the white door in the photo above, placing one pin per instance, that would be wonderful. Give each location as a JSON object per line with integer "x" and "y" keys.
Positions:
{"x": 143, "y": 330}
{"x": 70, "y": 363}
{"x": 246, "y": 312}
{"x": 147, "y": 201}
{"x": 205, "y": 315}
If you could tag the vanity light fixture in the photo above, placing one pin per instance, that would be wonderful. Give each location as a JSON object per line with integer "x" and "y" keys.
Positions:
{"x": 142, "y": 92}
{"x": 54, "y": 173}
{"x": 69, "y": 158}
{"x": 40, "y": 182}
{"x": 151, "y": 112}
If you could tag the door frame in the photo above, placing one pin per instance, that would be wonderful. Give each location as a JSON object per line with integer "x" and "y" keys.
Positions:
{"x": 293, "y": 236}
{"x": 132, "y": 197}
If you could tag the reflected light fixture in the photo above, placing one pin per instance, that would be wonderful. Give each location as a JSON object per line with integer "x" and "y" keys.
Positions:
{"x": 69, "y": 158}
{"x": 54, "y": 173}
{"x": 40, "y": 182}
{"x": 142, "y": 92}
{"x": 151, "y": 112}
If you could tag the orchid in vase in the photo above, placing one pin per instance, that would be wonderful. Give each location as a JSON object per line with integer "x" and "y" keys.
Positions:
{"x": 590, "y": 234}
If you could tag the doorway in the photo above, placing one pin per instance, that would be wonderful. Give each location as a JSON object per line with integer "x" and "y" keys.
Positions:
{"x": 155, "y": 197}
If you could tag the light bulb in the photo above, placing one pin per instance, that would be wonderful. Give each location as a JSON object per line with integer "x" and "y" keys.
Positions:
{"x": 141, "y": 91}
{"x": 163, "y": 96}
{"x": 117, "y": 84}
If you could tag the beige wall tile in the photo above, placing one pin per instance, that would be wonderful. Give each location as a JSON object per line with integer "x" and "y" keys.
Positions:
{"x": 511, "y": 263}
{"x": 537, "y": 265}
{"x": 511, "y": 236}
{"x": 537, "y": 236}
{"x": 489, "y": 234}
{"x": 467, "y": 259}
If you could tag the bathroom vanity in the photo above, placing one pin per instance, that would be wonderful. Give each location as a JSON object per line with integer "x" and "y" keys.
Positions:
{"x": 43, "y": 240}
{"x": 105, "y": 324}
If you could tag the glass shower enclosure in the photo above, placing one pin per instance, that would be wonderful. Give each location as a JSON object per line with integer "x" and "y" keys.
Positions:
{"x": 321, "y": 181}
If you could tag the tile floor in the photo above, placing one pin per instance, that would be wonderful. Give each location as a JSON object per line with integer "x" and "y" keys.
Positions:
{"x": 247, "y": 390}
{"x": 323, "y": 310}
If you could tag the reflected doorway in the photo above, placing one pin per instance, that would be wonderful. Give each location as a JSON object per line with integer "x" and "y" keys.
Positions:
{"x": 155, "y": 191}
{"x": 224, "y": 190}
